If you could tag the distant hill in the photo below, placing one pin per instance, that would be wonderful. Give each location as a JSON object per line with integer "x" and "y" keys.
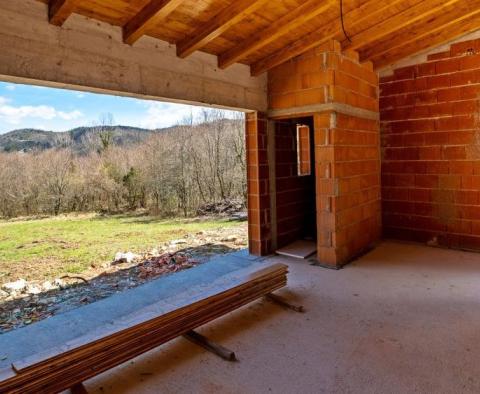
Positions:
{"x": 81, "y": 139}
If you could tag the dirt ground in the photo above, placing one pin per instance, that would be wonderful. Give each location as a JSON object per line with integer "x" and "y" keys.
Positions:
{"x": 26, "y": 302}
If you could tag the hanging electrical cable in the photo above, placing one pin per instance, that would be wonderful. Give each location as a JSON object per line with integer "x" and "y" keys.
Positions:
{"x": 341, "y": 19}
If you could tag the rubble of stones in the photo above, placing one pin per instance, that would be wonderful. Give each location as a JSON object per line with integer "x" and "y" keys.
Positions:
{"x": 230, "y": 208}
{"x": 23, "y": 303}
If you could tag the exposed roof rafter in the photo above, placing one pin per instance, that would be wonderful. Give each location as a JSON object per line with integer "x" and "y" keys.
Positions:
{"x": 289, "y": 22}
{"x": 213, "y": 28}
{"x": 148, "y": 17}
{"x": 60, "y": 10}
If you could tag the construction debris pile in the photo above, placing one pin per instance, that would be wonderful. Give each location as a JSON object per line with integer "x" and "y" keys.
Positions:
{"x": 23, "y": 302}
{"x": 166, "y": 263}
{"x": 229, "y": 208}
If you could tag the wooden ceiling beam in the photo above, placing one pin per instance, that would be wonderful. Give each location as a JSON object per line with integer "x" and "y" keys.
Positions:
{"x": 424, "y": 26}
{"x": 398, "y": 22}
{"x": 435, "y": 37}
{"x": 369, "y": 10}
{"x": 60, "y": 10}
{"x": 280, "y": 27}
{"x": 148, "y": 16}
{"x": 213, "y": 28}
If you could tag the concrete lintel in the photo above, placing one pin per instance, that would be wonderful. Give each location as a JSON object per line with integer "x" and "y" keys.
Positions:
{"x": 315, "y": 108}
{"x": 90, "y": 55}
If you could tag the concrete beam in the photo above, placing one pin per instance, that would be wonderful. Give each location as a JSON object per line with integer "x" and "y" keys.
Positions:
{"x": 320, "y": 108}
{"x": 89, "y": 55}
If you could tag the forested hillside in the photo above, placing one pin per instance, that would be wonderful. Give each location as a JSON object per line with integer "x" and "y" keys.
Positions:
{"x": 80, "y": 140}
{"x": 116, "y": 169}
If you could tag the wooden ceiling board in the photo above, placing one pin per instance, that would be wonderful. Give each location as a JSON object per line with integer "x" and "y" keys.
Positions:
{"x": 398, "y": 22}
{"x": 261, "y": 37}
{"x": 329, "y": 17}
{"x": 428, "y": 23}
{"x": 389, "y": 9}
{"x": 440, "y": 35}
{"x": 183, "y": 22}
{"x": 328, "y": 31}
{"x": 114, "y": 12}
{"x": 217, "y": 25}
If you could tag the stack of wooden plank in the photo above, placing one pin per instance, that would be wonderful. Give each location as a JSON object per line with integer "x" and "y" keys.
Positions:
{"x": 63, "y": 367}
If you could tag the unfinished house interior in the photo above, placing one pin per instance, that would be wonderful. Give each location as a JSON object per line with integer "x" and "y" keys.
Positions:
{"x": 363, "y": 152}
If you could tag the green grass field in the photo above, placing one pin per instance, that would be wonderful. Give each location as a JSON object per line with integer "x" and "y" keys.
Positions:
{"x": 42, "y": 248}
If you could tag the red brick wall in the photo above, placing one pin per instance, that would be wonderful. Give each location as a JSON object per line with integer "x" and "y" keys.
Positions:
{"x": 347, "y": 148}
{"x": 348, "y": 186}
{"x": 295, "y": 197}
{"x": 323, "y": 75}
{"x": 431, "y": 149}
{"x": 259, "y": 226}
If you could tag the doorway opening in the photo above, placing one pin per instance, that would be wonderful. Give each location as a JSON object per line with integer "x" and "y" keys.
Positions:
{"x": 295, "y": 187}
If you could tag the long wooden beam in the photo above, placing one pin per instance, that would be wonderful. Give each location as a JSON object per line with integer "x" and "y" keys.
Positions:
{"x": 289, "y": 22}
{"x": 148, "y": 16}
{"x": 456, "y": 28}
{"x": 370, "y": 10}
{"x": 398, "y": 22}
{"x": 428, "y": 24}
{"x": 60, "y": 10}
{"x": 217, "y": 25}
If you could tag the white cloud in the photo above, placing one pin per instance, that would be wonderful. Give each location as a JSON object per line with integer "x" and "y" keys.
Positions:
{"x": 10, "y": 87}
{"x": 160, "y": 115}
{"x": 80, "y": 95}
{"x": 69, "y": 115}
{"x": 16, "y": 114}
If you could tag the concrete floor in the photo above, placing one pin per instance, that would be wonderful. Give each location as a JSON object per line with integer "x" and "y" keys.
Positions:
{"x": 403, "y": 319}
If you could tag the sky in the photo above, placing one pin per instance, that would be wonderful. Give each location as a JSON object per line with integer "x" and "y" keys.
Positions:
{"x": 27, "y": 106}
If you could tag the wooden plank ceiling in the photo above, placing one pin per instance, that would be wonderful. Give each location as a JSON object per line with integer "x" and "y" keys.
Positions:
{"x": 265, "y": 33}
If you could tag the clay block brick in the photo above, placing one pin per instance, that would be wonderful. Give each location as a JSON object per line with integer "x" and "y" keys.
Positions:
{"x": 409, "y": 72}
{"x": 281, "y": 101}
{"x": 465, "y": 78}
{"x": 462, "y": 137}
{"x": 387, "y": 78}
{"x": 426, "y": 69}
{"x": 317, "y": 79}
{"x": 461, "y": 168}
{"x": 352, "y": 55}
{"x": 311, "y": 64}
{"x": 429, "y": 152}
{"x": 438, "y": 81}
{"x": 464, "y": 48}
{"x": 310, "y": 96}
{"x": 327, "y": 256}
{"x": 470, "y": 62}
{"x": 440, "y": 109}
{"x": 453, "y": 94}
{"x": 447, "y": 66}
{"x": 426, "y": 181}
{"x": 454, "y": 153}
{"x": 438, "y": 56}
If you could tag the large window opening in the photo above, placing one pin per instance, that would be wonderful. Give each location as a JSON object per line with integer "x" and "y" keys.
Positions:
{"x": 100, "y": 193}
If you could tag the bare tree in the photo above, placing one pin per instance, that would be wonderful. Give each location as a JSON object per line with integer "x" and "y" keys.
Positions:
{"x": 175, "y": 171}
